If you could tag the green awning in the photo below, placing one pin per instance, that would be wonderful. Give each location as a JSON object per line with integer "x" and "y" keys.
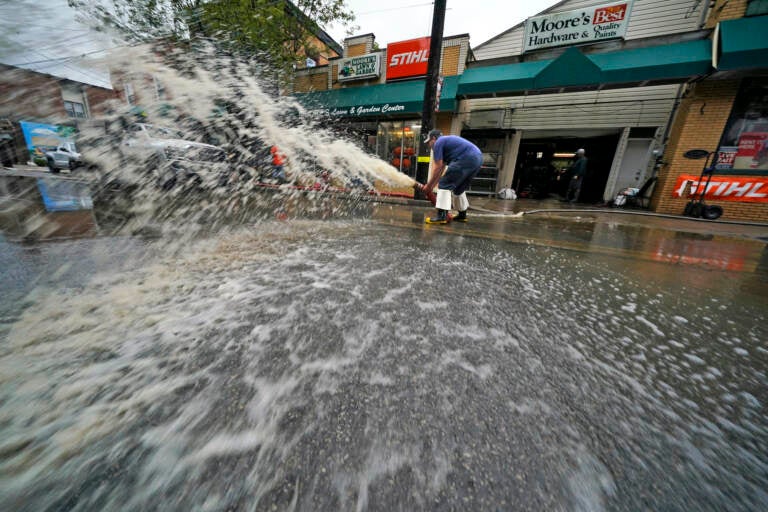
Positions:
{"x": 667, "y": 62}
{"x": 571, "y": 68}
{"x": 500, "y": 79}
{"x": 379, "y": 100}
{"x": 678, "y": 61}
{"x": 743, "y": 43}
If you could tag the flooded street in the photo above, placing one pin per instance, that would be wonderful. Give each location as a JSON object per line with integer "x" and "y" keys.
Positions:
{"x": 218, "y": 292}
{"x": 380, "y": 364}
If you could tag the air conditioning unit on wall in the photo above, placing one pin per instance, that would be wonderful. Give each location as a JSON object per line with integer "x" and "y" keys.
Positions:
{"x": 486, "y": 119}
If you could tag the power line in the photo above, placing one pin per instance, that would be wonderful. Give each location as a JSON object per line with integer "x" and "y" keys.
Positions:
{"x": 63, "y": 42}
{"x": 63, "y": 64}
{"x": 70, "y": 57}
{"x": 33, "y": 25}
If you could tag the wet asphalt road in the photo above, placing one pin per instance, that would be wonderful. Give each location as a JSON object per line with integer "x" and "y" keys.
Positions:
{"x": 375, "y": 363}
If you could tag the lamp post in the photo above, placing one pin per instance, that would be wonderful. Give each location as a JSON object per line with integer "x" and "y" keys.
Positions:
{"x": 430, "y": 88}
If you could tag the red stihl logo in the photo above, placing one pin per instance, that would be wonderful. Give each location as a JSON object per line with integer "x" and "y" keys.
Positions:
{"x": 744, "y": 189}
{"x": 609, "y": 14}
{"x": 407, "y": 58}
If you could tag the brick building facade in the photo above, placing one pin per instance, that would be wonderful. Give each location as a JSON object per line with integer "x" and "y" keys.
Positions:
{"x": 29, "y": 94}
{"x": 701, "y": 121}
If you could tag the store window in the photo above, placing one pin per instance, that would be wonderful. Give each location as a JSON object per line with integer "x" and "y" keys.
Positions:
{"x": 744, "y": 144}
{"x": 397, "y": 142}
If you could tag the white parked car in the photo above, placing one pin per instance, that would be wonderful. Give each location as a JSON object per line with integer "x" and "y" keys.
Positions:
{"x": 180, "y": 160}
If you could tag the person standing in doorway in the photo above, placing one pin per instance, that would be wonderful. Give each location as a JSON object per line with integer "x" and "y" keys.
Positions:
{"x": 456, "y": 162}
{"x": 577, "y": 170}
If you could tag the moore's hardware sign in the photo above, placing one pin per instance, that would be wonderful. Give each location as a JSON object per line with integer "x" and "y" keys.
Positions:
{"x": 607, "y": 21}
{"x": 359, "y": 68}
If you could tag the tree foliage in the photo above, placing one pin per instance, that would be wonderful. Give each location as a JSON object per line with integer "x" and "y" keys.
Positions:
{"x": 279, "y": 30}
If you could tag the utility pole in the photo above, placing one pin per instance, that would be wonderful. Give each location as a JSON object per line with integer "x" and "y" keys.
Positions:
{"x": 430, "y": 88}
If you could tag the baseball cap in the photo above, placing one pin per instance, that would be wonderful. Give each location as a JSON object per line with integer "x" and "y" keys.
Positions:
{"x": 433, "y": 133}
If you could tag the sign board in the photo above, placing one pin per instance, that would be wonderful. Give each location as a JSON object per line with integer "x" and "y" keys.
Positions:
{"x": 43, "y": 137}
{"x": 742, "y": 189}
{"x": 359, "y": 68}
{"x": 726, "y": 155}
{"x": 370, "y": 110}
{"x": 587, "y": 25}
{"x": 407, "y": 59}
{"x": 752, "y": 151}
{"x": 64, "y": 195}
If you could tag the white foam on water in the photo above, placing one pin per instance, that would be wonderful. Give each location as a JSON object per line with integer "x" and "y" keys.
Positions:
{"x": 654, "y": 327}
{"x": 590, "y": 483}
{"x": 694, "y": 359}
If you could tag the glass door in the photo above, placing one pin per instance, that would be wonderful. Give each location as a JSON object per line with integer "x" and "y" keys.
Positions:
{"x": 397, "y": 143}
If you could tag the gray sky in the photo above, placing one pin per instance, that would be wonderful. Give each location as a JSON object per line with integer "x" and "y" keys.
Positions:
{"x": 43, "y": 35}
{"x": 398, "y": 20}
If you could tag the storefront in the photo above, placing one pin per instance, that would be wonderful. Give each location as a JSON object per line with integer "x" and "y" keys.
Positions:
{"x": 727, "y": 114}
{"x": 385, "y": 118}
{"x": 605, "y": 77}
{"x": 376, "y": 96}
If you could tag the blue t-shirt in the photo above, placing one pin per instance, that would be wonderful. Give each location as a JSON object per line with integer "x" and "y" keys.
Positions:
{"x": 450, "y": 148}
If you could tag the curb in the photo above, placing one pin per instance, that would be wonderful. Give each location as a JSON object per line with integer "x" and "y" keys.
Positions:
{"x": 648, "y": 214}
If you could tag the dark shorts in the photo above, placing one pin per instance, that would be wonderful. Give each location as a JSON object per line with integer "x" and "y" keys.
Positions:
{"x": 459, "y": 174}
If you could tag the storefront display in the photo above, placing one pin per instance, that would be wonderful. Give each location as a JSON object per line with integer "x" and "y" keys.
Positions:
{"x": 397, "y": 142}
{"x": 744, "y": 145}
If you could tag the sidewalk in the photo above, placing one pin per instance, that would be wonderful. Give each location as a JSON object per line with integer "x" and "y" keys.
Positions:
{"x": 551, "y": 208}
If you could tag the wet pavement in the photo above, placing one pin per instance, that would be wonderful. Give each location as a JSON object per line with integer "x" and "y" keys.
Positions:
{"x": 558, "y": 360}
{"x": 628, "y": 234}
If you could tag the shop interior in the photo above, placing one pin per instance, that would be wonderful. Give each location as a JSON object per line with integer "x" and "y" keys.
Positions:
{"x": 542, "y": 166}
{"x": 397, "y": 142}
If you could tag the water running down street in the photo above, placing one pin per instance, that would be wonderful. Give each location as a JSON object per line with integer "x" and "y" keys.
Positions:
{"x": 380, "y": 365}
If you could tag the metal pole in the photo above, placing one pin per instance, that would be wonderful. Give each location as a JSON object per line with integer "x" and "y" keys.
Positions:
{"x": 430, "y": 87}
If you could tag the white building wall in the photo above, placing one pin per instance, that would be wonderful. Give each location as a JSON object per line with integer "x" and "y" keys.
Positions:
{"x": 648, "y": 18}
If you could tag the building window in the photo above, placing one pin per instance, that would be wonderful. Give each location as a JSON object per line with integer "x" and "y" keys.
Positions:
{"x": 756, "y": 7}
{"x": 130, "y": 95}
{"x": 160, "y": 94}
{"x": 75, "y": 109}
{"x": 744, "y": 144}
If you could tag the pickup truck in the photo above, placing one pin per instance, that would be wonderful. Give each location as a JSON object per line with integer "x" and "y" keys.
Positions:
{"x": 63, "y": 156}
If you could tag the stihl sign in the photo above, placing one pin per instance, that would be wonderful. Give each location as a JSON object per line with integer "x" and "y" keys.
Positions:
{"x": 743, "y": 189}
{"x": 406, "y": 59}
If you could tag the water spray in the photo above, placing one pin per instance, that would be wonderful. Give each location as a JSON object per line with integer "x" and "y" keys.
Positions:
{"x": 214, "y": 98}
